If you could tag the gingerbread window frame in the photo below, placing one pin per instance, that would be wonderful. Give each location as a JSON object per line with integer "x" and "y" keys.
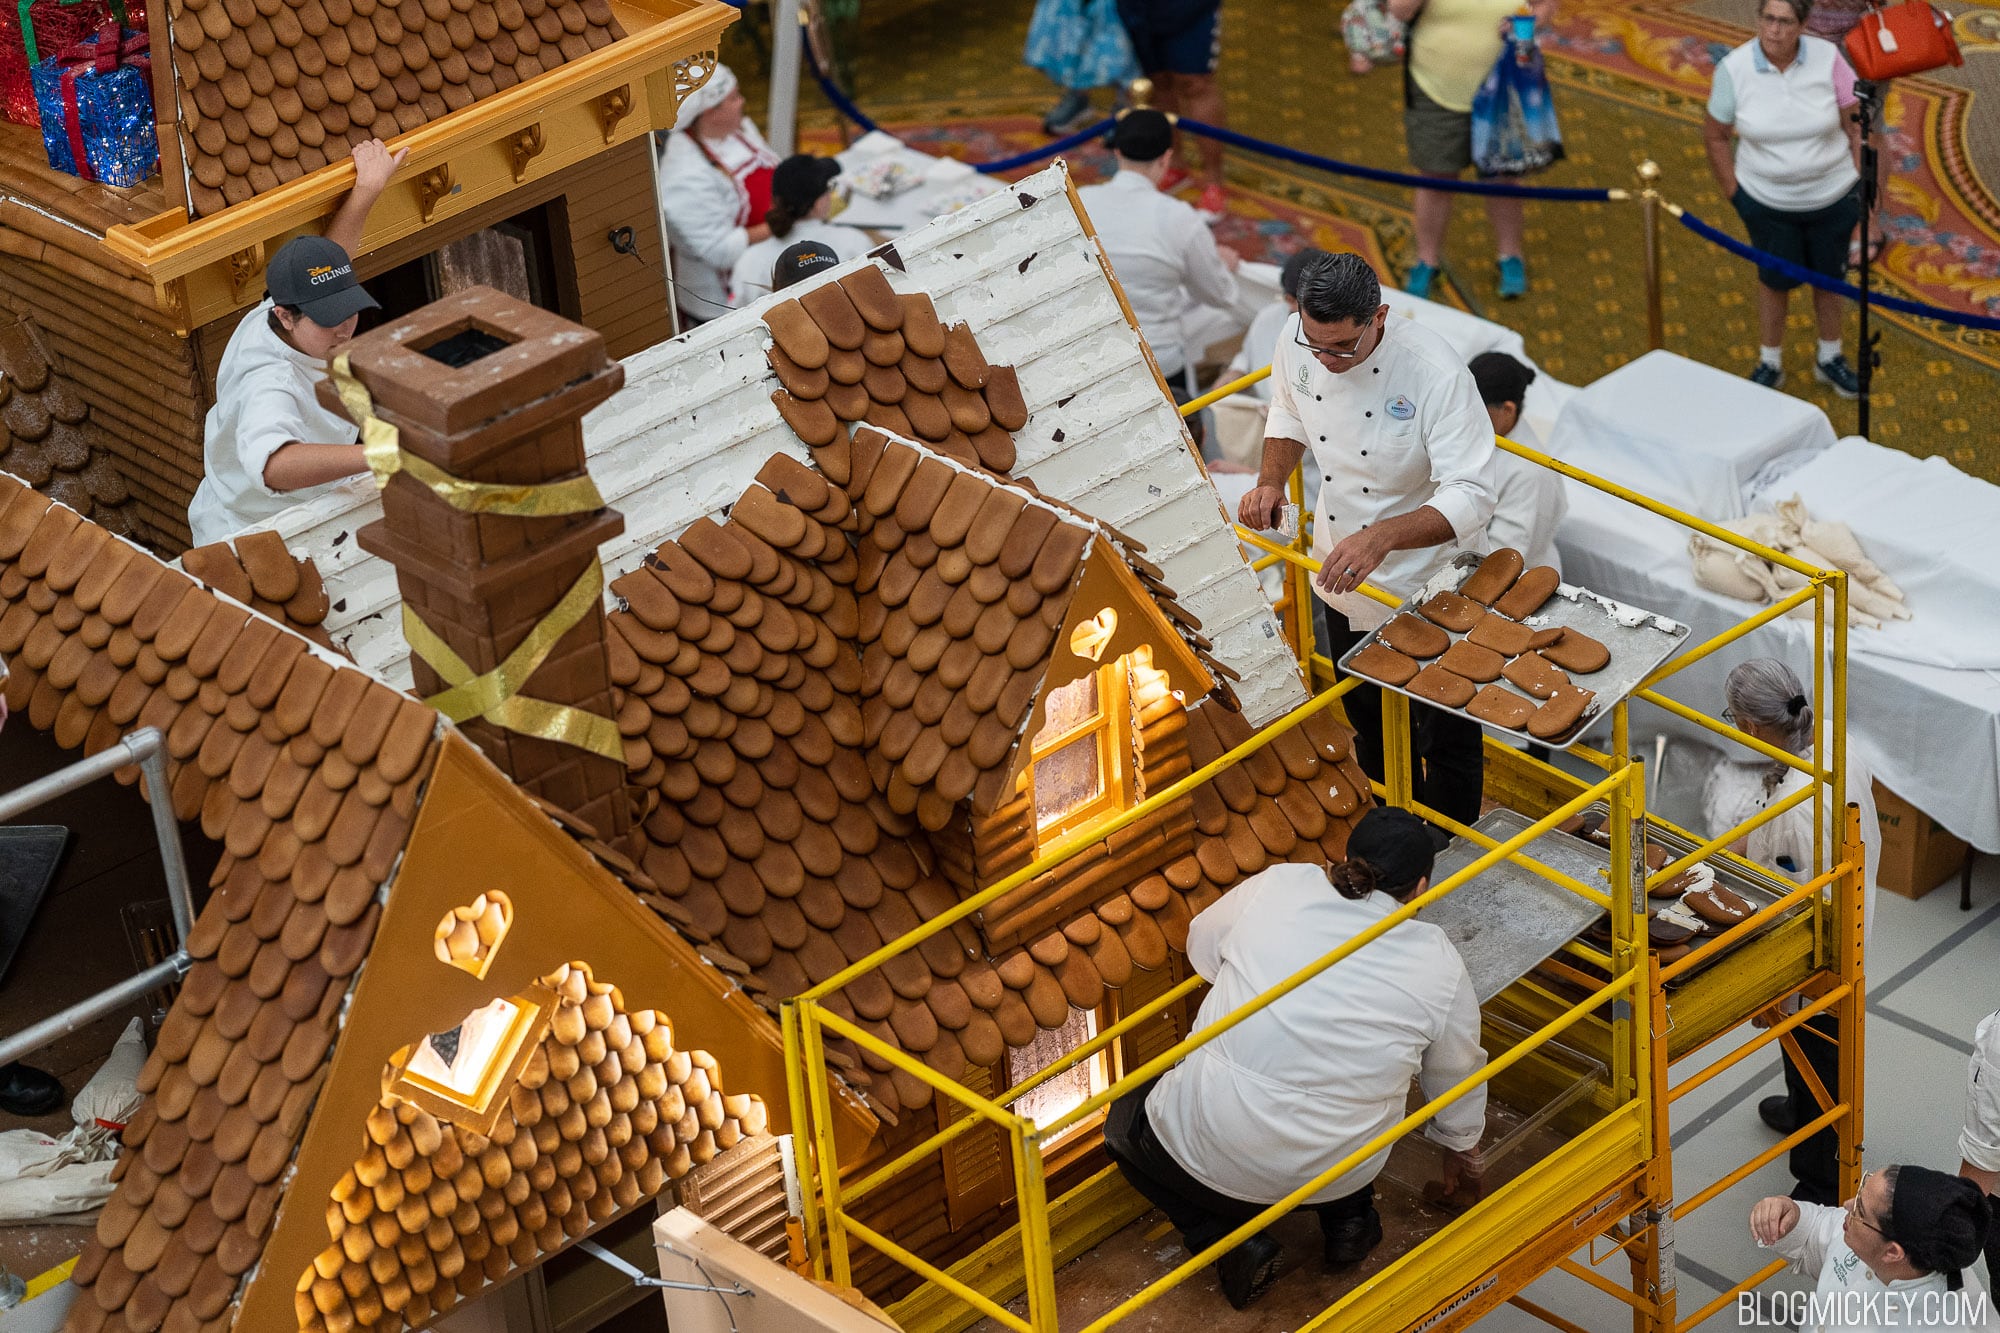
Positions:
{"x": 479, "y": 1110}
{"x": 1109, "y": 726}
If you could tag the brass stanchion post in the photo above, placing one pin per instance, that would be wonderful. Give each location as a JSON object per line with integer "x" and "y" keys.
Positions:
{"x": 1649, "y": 214}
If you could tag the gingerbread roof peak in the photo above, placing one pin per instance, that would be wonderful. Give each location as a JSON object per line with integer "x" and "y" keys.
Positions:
{"x": 1020, "y": 271}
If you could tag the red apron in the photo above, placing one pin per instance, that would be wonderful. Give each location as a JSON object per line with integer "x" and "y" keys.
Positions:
{"x": 753, "y": 179}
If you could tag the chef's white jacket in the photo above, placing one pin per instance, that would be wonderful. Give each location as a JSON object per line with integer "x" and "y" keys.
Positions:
{"x": 1979, "y": 1140}
{"x": 1294, "y": 1089}
{"x": 265, "y": 398}
{"x": 1528, "y": 503}
{"x": 708, "y": 213}
{"x": 1849, "y": 1298}
{"x": 1164, "y": 257}
{"x": 1403, "y": 429}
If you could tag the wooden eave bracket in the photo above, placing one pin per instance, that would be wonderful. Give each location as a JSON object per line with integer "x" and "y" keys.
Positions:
{"x": 525, "y": 148}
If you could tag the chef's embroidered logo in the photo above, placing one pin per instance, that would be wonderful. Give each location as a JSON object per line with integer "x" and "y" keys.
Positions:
{"x": 1402, "y": 408}
{"x": 1304, "y": 378}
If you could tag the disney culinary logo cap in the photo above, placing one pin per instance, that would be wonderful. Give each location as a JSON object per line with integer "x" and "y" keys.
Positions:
{"x": 315, "y": 275}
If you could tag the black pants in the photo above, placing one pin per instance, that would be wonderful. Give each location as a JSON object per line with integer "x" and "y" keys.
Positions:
{"x": 1200, "y": 1214}
{"x": 1446, "y": 750}
{"x": 1815, "y": 1164}
{"x": 1993, "y": 1246}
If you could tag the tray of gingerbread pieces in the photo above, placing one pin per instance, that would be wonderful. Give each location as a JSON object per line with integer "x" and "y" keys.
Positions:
{"x": 1695, "y": 906}
{"x": 1516, "y": 649}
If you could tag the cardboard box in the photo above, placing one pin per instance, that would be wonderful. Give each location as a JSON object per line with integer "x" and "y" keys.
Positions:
{"x": 1917, "y": 853}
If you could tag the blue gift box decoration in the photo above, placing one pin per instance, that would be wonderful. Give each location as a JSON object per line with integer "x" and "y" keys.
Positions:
{"x": 96, "y": 104}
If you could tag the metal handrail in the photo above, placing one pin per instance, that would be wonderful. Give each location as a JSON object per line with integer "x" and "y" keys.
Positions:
{"x": 146, "y": 748}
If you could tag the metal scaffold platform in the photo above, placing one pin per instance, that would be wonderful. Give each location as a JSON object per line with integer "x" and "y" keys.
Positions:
{"x": 1589, "y": 1045}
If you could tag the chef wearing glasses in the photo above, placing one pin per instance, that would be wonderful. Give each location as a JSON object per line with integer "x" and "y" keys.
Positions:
{"x": 1406, "y": 449}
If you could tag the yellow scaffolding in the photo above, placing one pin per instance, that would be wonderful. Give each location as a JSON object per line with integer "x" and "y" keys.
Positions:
{"x": 1614, "y": 1179}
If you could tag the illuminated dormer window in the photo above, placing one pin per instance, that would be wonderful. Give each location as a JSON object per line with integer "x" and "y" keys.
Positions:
{"x": 460, "y": 1073}
{"x": 1081, "y": 763}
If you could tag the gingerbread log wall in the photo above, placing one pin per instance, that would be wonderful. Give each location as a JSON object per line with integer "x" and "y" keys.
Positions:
{"x": 138, "y": 378}
{"x": 47, "y": 438}
{"x": 606, "y": 1111}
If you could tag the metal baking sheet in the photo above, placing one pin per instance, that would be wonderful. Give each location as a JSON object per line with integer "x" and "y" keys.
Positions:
{"x": 1761, "y": 889}
{"x": 1638, "y": 642}
{"x": 1508, "y": 918}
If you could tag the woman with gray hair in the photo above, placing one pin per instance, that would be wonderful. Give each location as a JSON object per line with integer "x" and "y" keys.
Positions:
{"x": 1766, "y": 700}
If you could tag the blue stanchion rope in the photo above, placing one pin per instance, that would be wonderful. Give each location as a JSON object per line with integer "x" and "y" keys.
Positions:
{"x": 1824, "y": 283}
{"x": 1575, "y": 194}
{"x": 846, "y": 107}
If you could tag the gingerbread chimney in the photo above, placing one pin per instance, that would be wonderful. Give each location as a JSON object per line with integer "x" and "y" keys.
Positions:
{"x": 471, "y": 412}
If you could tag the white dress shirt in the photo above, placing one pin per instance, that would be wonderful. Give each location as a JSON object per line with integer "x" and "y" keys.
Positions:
{"x": 1162, "y": 254}
{"x": 1849, "y": 1298}
{"x": 1403, "y": 429}
{"x": 1529, "y": 503}
{"x": 264, "y": 400}
{"x": 1291, "y": 1091}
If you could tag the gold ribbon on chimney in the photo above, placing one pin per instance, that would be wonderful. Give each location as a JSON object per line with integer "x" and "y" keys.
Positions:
{"x": 382, "y": 447}
{"x": 496, "y": 695}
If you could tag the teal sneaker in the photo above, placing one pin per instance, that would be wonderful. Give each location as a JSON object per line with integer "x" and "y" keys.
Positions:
{"x": 1421, "y": 277}
{"x": 1513, "y": 278}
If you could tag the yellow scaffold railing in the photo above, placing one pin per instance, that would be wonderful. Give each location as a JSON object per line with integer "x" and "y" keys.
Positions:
{"x": 1633, "y": 992}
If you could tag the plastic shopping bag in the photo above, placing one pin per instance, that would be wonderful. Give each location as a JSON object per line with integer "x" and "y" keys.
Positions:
{"x": 1514, "y": 129}
{"x": 1370, "y": 31}
{"x": 1080, "y": 44}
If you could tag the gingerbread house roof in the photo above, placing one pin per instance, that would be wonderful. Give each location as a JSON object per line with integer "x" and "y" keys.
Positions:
{"x": 271, "y": 91}
{"x": 817, "y": 686}
{"x": 320, "y": 781}
{"x": 1022, "y": 272}
{"x": 46, "y": 435}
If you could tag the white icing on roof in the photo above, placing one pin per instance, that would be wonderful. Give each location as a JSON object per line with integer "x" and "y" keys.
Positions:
{"x": 694, "y": 423}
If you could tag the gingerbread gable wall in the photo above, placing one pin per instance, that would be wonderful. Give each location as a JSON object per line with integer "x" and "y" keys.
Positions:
{"x": 695, "y": 422}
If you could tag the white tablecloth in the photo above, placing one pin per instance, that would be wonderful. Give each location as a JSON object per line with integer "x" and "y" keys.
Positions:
{"x": 1931, "y": 528}
{"x": 1930, "y": 734}
{"x": 1686, "y": 434}
{"x": 947, "y": 183}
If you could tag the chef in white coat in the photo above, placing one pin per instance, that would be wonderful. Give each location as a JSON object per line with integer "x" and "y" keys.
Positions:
{"x": 715, "y": 188}
{"x": 1979, "y": 1140}
{"x": 1163, "y": 254}
{"x": 1293, "y": 1090}
{"x": 1899, "y": 1254}
{"x": 1529, "y": 503}
{"x": 1405, "y": 449}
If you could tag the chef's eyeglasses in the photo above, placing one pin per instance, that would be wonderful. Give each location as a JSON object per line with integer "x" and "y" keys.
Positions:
{"x": 1854, "y": 1208}
{"x": 1346, "y": 351}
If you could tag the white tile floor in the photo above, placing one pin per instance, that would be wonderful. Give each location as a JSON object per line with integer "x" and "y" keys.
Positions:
{"x": 1931, "y": 979}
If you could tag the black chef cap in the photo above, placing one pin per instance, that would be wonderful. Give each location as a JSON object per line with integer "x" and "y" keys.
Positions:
{"x": 1939, "y": 1220}
{"x": 1142, "y": 135}
{"x": 1395, "y": 844}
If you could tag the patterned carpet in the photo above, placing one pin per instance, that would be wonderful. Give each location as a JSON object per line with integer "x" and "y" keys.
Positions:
{"x": 1631, "y": 79}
